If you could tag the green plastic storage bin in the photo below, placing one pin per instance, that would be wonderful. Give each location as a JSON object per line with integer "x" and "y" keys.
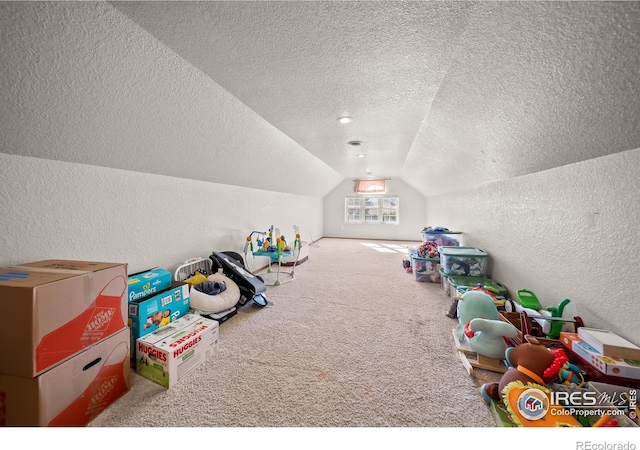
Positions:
{"x": 465, "y": 261}
{"x": 426, "y": 269}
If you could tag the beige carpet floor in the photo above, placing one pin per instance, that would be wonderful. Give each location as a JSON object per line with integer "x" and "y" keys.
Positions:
{"x": 352, "y": 341}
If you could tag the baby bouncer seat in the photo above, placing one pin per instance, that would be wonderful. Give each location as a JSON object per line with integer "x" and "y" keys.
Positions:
{"x": 252, "y": 287}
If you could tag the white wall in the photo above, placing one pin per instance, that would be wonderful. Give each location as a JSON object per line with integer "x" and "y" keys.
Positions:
{"x": 113, "y": 148}
{"x": 570, "y": 232}
{"x": 83, "y": 83}
{"x": 54, "y": 209}
{"x": 412, "y": 213}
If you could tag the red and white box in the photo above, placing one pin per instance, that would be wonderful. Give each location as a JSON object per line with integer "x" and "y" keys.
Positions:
{"x": 611, "y": 367}
{"x": 55, "y": 309}
{"x": 72, "y": 393}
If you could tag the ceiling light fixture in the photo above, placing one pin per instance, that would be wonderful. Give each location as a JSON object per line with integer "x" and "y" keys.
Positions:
{"x": 355, "y": 143}
{"x": 345, "y": 119}
{"x": 360, "y": 155}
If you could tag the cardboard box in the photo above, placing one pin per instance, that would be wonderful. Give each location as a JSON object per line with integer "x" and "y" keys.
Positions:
{"x": 168, "y": 354}
{"x": 148, "y": 314}
{"x": 609, "y": 343}
{"x": 145, "y": 284}
{"x": 72, "y": 393}
{"x": 54, "y": 309}
{"x": 613, "y": 367}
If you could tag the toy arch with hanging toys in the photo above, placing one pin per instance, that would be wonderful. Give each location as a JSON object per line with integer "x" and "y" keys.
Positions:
{"x": 274, "y": 246}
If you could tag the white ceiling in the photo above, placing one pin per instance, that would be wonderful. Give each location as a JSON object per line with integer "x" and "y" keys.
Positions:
{"x": 446, "y": 95}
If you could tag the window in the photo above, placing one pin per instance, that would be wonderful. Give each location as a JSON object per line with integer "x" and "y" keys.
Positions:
{"x": 372, "y": 209}
{"x": 370, "y": 186}
{"x": 353, "y": 209}
{"x": 390, "y": 209}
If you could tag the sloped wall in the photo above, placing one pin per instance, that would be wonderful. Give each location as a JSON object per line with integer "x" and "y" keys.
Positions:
{"x": 114, "y": 148}
{"x": 531, "y": 86}
{"x": 55, "y": 209}
{"x": 569, "y": 232}
{"x": 83, "y": 83}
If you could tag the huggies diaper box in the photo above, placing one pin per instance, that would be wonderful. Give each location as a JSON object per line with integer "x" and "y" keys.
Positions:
{"x": 55, "y": 309}
{"x": 72, "y": 393}
{"x": 148, "y": 314}
{"x": 168, "y": 354}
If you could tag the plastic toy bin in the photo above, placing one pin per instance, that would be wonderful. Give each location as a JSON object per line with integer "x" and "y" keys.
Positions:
{"x": 444, "y": 282}
{"x": 442, "y": 239}
{"x": 466, "y": 261}
{"x": 456, "y": 282}
{"x": 426, "y": 269}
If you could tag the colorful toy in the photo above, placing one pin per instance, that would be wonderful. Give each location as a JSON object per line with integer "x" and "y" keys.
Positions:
{"x": 528, "y": 299}
{"x": 556, "y": 326}
{"x": 480, "y": 325}
{"x": 481, "y": 337}
{"x": 275, "y": 247}
{"x": 570, "y": 374}
{"x": 249, "y": 241}
{"x": 428, "y": 250}
{"x": 527, "y": 364}
{"x": 523, "y": 387}
{"x": 297, "y": 244}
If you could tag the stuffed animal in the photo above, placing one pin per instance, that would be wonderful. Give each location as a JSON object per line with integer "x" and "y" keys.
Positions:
{"x": 527, "y": 364}
{"x": 480, "y": 325}
{"x": 523, "y": 387}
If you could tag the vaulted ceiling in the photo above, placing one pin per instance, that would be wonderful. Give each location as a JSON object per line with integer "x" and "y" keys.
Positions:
{"x": 446, "y": 95}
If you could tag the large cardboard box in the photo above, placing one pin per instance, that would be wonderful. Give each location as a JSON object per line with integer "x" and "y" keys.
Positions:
{"x": 72, "y": 393}
{"x": 148, "y": 314}
{"x": 54, "y": 309}
{"x": 168, "y": 354}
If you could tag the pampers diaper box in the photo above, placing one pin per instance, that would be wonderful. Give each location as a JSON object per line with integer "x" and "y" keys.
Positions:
{"x": 147, "y": 283}
{"x": 168, "y": 354}
{"x": 148, "y": 314}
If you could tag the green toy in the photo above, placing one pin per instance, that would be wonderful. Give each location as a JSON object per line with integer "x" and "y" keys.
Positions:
{"x": 528, "y": 299}
{"x": 556, "y": 326}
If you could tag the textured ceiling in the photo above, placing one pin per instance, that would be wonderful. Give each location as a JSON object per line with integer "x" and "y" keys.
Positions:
{"x": 446, "y": 95}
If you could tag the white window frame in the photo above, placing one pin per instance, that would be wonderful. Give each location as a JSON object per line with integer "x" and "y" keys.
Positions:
{"x": 370, "y": 209}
